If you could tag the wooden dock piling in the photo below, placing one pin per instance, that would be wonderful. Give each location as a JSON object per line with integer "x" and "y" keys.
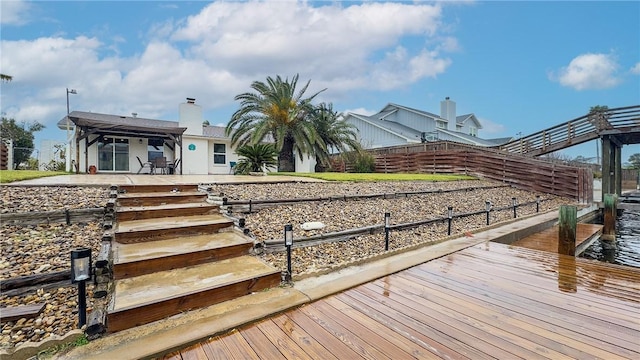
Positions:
{"x": 610, "y": 212}
{"x": 567, "y": 230}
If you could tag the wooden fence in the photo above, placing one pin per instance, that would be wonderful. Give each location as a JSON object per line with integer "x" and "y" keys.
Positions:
{"x": 452, "y": 158}
{"x": 4, "y": 156}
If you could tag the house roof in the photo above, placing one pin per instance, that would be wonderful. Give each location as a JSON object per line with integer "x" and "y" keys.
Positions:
{"x": 420, "y": 112}
{"x": 123, "y": 125}
{"x": 214, "y": 131}
{"x": 462, "y": 118}
{"x": 393, "y": 127}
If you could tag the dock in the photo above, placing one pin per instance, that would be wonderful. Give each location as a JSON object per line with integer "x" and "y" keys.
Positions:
{"x": 490, "y": 300}
{"x": 547, "y": 240}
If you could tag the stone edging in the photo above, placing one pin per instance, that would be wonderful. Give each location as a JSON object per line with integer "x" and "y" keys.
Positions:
{"x": 30, "y": 349}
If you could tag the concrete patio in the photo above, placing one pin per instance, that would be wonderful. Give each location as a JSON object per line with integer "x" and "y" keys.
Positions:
{"x": 146, "y": 179}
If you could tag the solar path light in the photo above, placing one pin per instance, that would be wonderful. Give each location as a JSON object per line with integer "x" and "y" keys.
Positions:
{"x": 80, "y": 273}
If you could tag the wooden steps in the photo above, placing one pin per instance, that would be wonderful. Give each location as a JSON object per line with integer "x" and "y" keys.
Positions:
{"x": 173, "y": 252}
{"x": 146, "y": 298}
{"x": 146, "y": 257}
{"x": 128, "y": 213}
{"x": 160, "y": 198}
{"x": 164, "y": 228}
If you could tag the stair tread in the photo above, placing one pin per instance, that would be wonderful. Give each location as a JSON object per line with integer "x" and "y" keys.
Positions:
{"x": 126, "y": 253}
{"x": 166, "y": 206}
{"x": 170, "y": 222}
{"x": 164, "y": 285}
{"x": 167, "y": 194}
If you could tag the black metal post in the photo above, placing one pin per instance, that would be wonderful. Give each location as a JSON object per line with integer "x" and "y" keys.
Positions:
{"x": 288, "y": 242}
{"x": 488, "y": 208}
{"x": 387, "y": 219}
{"x": 515, "y": 205}
{"x": 450, "y": 210}
{"x": 288, "y": 277}
{"x": 537, "y": 203}
{"x": 82, "y": 303}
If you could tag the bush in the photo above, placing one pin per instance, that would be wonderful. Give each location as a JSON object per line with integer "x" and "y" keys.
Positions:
{"x": 364, "y": 163}
{"x": 254, "y": 157}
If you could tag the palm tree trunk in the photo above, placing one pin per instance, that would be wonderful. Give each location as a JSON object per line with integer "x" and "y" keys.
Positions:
{"x": 286, "y": 159}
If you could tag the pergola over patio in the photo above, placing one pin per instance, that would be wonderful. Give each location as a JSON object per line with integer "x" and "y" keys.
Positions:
{"x": 88, "y": 123}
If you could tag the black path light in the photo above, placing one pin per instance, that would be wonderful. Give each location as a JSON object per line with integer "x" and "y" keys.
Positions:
{"x": 387, "y": 228}
{"x": 515, "y": 205}
{"x": 288, "y": 242}
{"x": 450, "y": 215}
{"x": 537, "y": 203}
{"x": 80, "y": 273}
{"x": 487, "y": 207}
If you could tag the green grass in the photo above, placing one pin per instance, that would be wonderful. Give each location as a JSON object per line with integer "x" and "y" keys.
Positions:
{"x": 378, "y": 176}
{"x": 62, "y": 348}
{"x": 7, "y": 176}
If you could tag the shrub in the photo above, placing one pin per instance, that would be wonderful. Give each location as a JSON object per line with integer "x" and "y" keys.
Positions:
{"x": 254, "y": 157}
{"x": 364, "y": 163}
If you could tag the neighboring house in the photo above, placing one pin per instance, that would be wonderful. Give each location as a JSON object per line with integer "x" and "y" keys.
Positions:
{"x": 117, "y": 144}
{"x": 400, "y": 125}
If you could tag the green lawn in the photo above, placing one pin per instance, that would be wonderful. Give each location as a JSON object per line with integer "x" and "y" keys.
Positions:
{"x": 378, "y": 176}
{"x": 7, "y": 176}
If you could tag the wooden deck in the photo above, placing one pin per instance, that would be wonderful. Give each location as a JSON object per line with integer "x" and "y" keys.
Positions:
{"x": 487, "y": 301}
{"x": 547, "y": 240}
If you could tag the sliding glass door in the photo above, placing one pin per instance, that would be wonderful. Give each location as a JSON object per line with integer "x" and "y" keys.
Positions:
{"x": 113, "y": 154}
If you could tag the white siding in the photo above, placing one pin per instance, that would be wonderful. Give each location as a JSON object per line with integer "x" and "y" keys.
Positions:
{"x": 413, "y": 120}
{"x": 371, "y": 136}
{"x": 197, "y": 159}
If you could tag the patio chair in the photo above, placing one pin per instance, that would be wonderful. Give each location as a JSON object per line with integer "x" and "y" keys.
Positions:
{"x": 143, "y": 165}
{"x": 160, "y": 163}
{"x": 173, "y": 167}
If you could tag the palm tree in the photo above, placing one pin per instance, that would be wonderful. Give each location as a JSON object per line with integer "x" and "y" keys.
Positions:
{"x": 335, "y": 134}
{"x": 275, "y": 109}
{"x": 255, "y": 157}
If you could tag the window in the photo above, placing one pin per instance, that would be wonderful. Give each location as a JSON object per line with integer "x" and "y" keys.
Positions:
{"x": 155, "y": 149}
{"x": 113, "y": 154}
{"x": 219, "y": 153}
{"x": 473, "y": 131}
{"x": 458, "y": 127}
{"x": 441, "y": 124}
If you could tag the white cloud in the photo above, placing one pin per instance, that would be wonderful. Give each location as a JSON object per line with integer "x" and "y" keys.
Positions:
{"x": 335, "y": 46}
{"x": 489, "y": 127}
{"x": 217, "y": 53}
{"x": 14, "y": 12}
{"x": 636, "y": 69}
{"x": 589, "y": 71}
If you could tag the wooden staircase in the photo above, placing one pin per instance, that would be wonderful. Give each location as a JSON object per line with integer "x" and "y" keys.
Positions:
{"x": 173, "y": 252}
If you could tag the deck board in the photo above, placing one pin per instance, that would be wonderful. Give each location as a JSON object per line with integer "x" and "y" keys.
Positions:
{"x": 547, "y": 240}
{"x": 487, "y": 301}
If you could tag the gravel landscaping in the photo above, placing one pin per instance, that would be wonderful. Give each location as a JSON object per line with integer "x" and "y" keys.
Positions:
{"x": 28, "y": 250}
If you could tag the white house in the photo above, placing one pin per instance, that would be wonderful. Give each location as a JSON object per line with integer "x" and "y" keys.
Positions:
{"x": 399, "y": 125}
{"x": 126, "y": 144}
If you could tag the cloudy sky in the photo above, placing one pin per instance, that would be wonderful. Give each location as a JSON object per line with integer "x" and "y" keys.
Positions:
{"x": 519, "y": 67}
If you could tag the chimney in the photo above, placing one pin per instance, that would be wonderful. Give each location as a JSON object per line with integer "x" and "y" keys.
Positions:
{"x": 448, "y": 112}
{"x": 190, "y": 116}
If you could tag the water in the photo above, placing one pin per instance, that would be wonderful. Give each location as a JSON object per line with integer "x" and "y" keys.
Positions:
{"x": 627, "y": 239}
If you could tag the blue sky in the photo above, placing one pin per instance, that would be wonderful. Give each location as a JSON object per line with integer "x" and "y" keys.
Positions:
{"x": 519, "y": 67}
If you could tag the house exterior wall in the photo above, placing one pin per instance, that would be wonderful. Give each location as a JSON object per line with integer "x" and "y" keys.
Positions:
{"x": 413, "y": 120}
{"x": 230, "y": 156}
{"x": 305, "y": 165}
{"x": 196, "y": 157}
{"x": 371, "y": 136}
